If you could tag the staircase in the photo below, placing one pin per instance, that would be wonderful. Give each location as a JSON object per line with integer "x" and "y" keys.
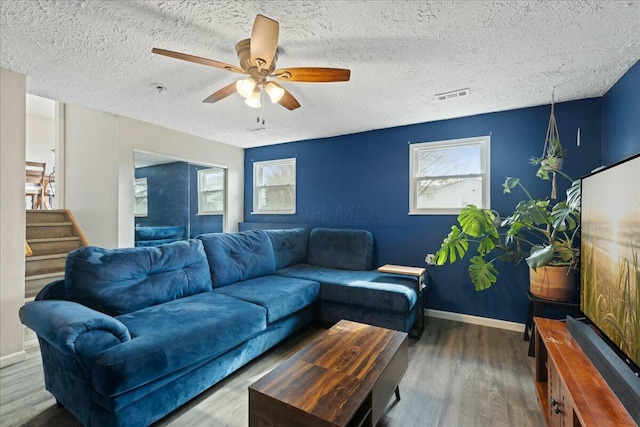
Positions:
{"x": 51, "y": 234}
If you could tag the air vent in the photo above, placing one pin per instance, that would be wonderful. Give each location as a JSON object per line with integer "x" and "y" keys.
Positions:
{"x": 450, "y": 95}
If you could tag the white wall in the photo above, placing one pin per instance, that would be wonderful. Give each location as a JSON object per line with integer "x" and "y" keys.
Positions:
{"x": 134, "y": 134}
{"x": 91, "y": 173}
{"x": 99, "y": 170}
{"x": 12, "y": 217}
{"x": 41, "y": 140}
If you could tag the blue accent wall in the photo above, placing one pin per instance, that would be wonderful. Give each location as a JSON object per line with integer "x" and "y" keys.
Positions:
{"x": 362, "y": 181}
{"x": 621, "y": 118}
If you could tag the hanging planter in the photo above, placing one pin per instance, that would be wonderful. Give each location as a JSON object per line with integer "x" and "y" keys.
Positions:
{"x": 552, "y": 153}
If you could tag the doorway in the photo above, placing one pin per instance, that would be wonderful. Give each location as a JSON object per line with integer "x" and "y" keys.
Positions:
{"x": 40, "y": 151}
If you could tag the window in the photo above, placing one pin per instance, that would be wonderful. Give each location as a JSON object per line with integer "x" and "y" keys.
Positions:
{"x": 448, "y": 175}
{"x": 140, "y": 197}
{"x": 274, "y": 187}
{"x": 211, "y": 191}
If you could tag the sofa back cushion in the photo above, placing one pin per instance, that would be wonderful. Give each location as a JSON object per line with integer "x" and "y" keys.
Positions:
{"x": 234, "y": 257}
{"x": 120, "y": 281}
{"x": 342, "y": 249}
{"x": 289, "y": 246}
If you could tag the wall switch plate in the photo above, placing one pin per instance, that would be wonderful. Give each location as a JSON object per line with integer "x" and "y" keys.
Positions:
{"x": 430, "y": 259}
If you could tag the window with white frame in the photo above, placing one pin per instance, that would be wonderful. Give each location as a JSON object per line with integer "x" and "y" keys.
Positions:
{"x": 211, "y": 191}
{"x": 140, "y": 207}
{"x": 448, "y": 175}
{"x": 274, "y": 187}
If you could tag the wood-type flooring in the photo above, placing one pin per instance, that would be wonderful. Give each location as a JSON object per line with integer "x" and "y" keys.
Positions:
{"x": 459, "y": 375}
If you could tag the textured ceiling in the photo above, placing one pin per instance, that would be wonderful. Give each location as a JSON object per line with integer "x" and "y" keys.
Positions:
{"x": 510, "y": 54}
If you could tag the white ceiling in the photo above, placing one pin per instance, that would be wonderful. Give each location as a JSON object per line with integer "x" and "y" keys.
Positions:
{"x": 510, "y": 54}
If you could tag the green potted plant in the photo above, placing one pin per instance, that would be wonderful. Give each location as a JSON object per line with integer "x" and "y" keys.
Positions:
{"x": 538, "y": 231}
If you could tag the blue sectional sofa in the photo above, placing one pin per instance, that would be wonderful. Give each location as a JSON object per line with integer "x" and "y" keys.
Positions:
{"x": 131, "y": 334}
{"x": 159, "y": 235}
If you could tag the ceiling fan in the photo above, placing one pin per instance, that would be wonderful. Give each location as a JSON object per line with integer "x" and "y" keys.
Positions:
{"x": 258, "y": 56}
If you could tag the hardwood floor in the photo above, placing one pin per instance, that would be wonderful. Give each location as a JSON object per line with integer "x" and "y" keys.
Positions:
{"x": 458, "y": 375}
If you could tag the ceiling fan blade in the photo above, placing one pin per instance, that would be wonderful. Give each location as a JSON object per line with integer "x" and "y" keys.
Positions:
{"x": 222, "y": 93}
{"x": 288, "y": 101}
{"x": 264, "y": 40}
{"x": 197, "y": 60}
{"x": 313, "y": 74}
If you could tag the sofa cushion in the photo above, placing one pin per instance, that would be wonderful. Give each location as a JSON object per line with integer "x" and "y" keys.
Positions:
{"x": 234, "y": 257}
{"x": 119, "y": 281}
{"x": 324, "y": 275}
{"x": 359, "y": 288}
{"x": 289, "y": 246}
{"x": 341, "y": 249}
{"x": 171, "y": 336}
{"x": 280, "y": 296}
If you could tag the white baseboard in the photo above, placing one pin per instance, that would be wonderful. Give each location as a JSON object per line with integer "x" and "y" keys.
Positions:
{"x": 12, "y": 358}
{"x": 476, "y": 320}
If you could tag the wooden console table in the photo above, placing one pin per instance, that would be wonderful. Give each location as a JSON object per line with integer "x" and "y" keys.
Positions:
{"x": 343, "y": 378}
{"x": 570, "y": 389}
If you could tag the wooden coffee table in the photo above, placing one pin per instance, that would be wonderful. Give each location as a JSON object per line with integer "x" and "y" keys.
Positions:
{"x": 344, "y": 377}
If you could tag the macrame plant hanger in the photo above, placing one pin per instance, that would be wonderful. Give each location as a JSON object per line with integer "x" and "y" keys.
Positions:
{"x": 552, "y": 152}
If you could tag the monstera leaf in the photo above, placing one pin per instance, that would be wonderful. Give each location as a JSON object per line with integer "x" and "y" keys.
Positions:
{"x": 477, "y": 222}
{"x": 454, "y": 246}
{"x": 509, "y": 184}
{"x": 540, "y": 256}
{"x": 574, "y": 195}
{"x": 483, "y": 274}
{"x": 564, "y": 217}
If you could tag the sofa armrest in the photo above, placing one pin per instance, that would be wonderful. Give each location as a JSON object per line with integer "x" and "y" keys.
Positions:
{"x": 54, "y": 290}
{"x": 63, "y": 324}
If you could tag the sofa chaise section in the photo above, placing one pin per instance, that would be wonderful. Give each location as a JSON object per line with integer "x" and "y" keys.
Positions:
{"x": 341, "y": 261}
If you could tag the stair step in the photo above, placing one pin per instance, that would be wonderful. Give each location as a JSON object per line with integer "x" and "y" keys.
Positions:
{"x": 49, "y": 229}
{"x": 45, "y": 257}
{"x": 33, "y": 284}
{"x": 54, "y": 239}
{"x": 48, "y": 224}
{"x": 40, "y": 216}
{"x": 42, "y": 264}
{"x": 56, "y": 245}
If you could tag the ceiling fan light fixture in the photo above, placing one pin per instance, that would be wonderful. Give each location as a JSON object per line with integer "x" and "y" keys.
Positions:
{"x": 245, "y": 87}
{"x": 275, "y": 91}
{"x": 253, "y": 100}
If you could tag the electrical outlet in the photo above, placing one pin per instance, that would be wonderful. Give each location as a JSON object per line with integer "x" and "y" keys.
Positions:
{"x": 430, "y": 259}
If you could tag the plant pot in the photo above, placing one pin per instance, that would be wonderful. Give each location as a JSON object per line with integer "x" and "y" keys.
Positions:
{"x": 554, "y": 283}
{"x": 552, "y": 164}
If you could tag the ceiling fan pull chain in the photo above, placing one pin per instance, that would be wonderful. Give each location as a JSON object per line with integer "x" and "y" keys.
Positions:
{"x": 262, "y": 104}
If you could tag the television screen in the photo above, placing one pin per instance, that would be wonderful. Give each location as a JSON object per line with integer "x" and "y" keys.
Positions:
{"x": 610, "y": 251}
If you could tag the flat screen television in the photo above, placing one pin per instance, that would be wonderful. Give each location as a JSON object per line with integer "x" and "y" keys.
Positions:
{"x": 610, "y": 256}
